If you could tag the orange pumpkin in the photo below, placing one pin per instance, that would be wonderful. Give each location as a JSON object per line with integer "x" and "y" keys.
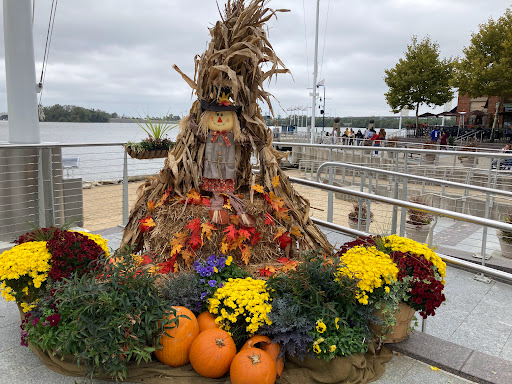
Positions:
{"x": 175, "y": 349}
{"x": 273, "y": 349}
{"x": 212, "y": 352}
{"x": 206, "y": 321}
{"x": 253, "y": 366}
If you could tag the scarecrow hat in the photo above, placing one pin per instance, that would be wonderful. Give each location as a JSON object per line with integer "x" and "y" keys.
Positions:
{"x": 222, "y": 103}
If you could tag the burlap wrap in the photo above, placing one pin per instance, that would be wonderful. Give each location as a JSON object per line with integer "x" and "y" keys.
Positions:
{"x": 349, "y": 370}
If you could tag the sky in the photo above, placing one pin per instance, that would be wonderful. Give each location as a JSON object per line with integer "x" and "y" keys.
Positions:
{"x": 117, "y": 55}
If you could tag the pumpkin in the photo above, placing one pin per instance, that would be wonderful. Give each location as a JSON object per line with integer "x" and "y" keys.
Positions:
{"x": 175, "y": 349}
{"x": 212, "y": 352}
{"x": 206, "y": 321}
{"x": 253, "y": 366}
{"x": 273, "y": 349}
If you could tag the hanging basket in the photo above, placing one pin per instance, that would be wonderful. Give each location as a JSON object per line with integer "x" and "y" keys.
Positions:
{"x": 151, "y": 154}
{"x": 400, "y": 331}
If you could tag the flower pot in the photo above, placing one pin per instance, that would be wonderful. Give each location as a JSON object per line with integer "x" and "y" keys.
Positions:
{"x": 506, "y": 247}
{"x": 417, "y": 233}
{"x": 353, "y": 224}
{"x": 151, "y": 154}
{"x": 400, "y": 330}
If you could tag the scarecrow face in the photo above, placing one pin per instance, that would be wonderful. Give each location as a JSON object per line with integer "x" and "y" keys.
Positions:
{"x": 221, "y": 121}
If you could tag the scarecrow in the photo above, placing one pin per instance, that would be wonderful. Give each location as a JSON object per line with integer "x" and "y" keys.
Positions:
{"x": 207, "y": 199}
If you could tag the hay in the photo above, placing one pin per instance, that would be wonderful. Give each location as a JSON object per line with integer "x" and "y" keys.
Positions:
{"x": 234, "y": 58}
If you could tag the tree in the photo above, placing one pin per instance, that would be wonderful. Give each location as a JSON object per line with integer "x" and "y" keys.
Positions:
{"x": 486, "y": 69}
{"x": 420, "y": 78}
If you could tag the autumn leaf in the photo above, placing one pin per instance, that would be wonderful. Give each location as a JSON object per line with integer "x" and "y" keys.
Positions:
{"x": 284, "y": 240}
{"x": 195, "y": 240}
{"x": 295, "y": 231}
{"x": 234, "y": 220}
{"x": 178, "y": 242}
{"x": 151, "y": 205}
{"x": 194, "y": 197}
{"x": 269, "y": 220}
{"x": 206, "y": 201}
{"x": 292, "y": 266}
{"x": 224, "y": 247}
{"x": 275, "y": 181}
{"x": 206, "y": 229}
{"x": 279, "y": 233}
{"x": 187, "y": 256}
{"x": 265, "y": 272}
{"x": 231, "y": 232}
{"x": 146, "y": 260}
{"x": 246, "y": 254}
{"x": 257, "y": 188}
{"x": 167, "y": 266}
{"x": 147, "y": 224}
{"x": 246, "y": 232}
{"x": 282, "y": 215}
{"x": 284, "y": 260}
{"x": 255, "y": 238}
{"x": 194, "y": 225}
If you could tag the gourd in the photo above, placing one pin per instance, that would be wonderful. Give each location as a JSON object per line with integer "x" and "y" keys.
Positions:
{"x": 212, "y": 352}
{"x": 266, "y": 344}
{"x": 253, "y": 366}
{"x": 175, "y": 349}
{"x": 206, "y": 321}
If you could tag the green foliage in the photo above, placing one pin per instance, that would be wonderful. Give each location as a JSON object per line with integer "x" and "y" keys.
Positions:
{"x": 486, "y": 68}
{"x": 150, "y": 144}
{"x": 183, "y": 290}
{"x": 507, "y": 235}
{"x": 103, "y": 322}
{"x": 419, "y": 78}
{"x": 318, "y": 297}
{"x": 72, "y": 113}
{"x": 156, "y": 129}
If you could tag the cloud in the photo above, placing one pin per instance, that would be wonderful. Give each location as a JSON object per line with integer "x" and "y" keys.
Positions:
{"x": 117, "y": 55}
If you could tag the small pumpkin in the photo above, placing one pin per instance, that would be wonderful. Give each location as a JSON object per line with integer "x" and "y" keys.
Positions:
{"x": 206, "y": 321}
{"x": 212, "y": 352}
{"x": 175, "y": 349}
{"x": 266, "y": 344}
{"x": 253, "y": 366}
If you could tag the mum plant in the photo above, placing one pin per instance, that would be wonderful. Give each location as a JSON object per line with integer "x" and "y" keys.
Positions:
{"x": 46, "y": 254}
{"x": 315, "y": 313}
{"x": 392, "y": 270}
{"x": 104, "y": 319}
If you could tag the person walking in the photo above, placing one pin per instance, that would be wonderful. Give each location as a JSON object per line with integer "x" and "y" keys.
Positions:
{"x": 434, "y": 135}
{"x": 376, "y": 141}
{"x": 359, "y": 137}
{"x": 444, "y": 141}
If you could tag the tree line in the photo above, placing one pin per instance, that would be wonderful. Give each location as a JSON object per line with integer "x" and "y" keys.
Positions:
{"x": 72, "y": 113}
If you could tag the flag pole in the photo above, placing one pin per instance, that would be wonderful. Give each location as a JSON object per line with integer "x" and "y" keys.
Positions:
{"x": 315, "y": 74}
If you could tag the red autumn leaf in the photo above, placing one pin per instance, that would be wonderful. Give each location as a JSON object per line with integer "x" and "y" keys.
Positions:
{"x": 269, "y": 220}
{"x": 255, "y": 238}
{"x": 206, "y": 202}
{"x": 264, "y": 272}
{"x": 284, "y": 240}
{"x": 231, "y": 232}
{"x": 168, "y": 266}
{"x": 284, "y": 260}
{"x": 147, "y": 224}
{"x": 194, "y": 197}
{"x": 194, "y": 241}
{"x": 245, "y": 233}
{"x": 146, "y": 260}
{"x": 281, "y": 214}
{"x": 194, "y": 225}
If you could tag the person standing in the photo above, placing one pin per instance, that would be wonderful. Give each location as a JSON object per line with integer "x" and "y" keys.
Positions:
{"x": 434, "y": 135}
{"x": 376, "y": 141}
{"x": 359, "y": 137}
{"x": 444, "y": 141}
{"x": 336, "y": 127}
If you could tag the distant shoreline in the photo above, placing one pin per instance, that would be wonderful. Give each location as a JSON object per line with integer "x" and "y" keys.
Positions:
{"x": 128, "y": 120}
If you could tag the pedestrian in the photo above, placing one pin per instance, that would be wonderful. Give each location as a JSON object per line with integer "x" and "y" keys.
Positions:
{"x": 334, "y": 136}
{"x": 382, "y": 136}
{"x": 368, "y": 134}
{"x": 351, "y": 136}
{"x": 444, "y": 141}
{"x": 359, "y": 137}
{"x": 434, "y": 135}
{"x": 376, "y": 141}
{"x": 498, "y": 163}
{"x": 336, "y": 127}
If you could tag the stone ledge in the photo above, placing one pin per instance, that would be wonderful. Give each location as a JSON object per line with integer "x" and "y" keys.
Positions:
{"x": 461, "y": 361}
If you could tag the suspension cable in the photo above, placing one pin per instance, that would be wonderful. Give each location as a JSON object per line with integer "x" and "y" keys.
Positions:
{"x": 49, "y": 35}
{"x": 325, "y": 35}
{"x": 306, "y": 38}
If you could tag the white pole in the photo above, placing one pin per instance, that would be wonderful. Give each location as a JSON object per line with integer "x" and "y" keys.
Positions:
{"x": 315, "y": 73}
{"x": 20, "y": 72}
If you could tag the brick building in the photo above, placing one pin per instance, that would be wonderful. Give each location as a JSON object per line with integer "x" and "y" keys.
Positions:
{"x": 480, "y": 111}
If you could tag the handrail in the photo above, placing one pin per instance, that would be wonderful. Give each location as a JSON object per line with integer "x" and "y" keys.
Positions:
{"x": 407, "y": 204}
{"x": 413, "y": 177}
{"x": 477, "y": 268}
{"x": 394, "y": 149}
{"x": 51, "y": 144}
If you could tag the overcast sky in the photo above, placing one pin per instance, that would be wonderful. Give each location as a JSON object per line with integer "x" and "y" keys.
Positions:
{"x": 117, "y": 55}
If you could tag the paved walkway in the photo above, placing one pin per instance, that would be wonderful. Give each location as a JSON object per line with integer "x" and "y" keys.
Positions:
{"x": 473, "y": 327}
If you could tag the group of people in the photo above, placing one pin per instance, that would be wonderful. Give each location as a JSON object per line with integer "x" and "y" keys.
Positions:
{"x": 349, "y": 137}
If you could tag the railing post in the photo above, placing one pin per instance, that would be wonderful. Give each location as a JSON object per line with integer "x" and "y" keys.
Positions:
{"x": 51, "y": 210}
{"x": 361, "y": 188}
{"x": 368, "y": 205}
{"x": 125, "y": 190}
{"x": 330, "y": 194}
{"x": 403, "y": 211}
{"x": 41, "y": 189}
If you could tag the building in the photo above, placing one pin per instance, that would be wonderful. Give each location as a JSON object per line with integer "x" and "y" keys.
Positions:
{"x": 480, "y": 112}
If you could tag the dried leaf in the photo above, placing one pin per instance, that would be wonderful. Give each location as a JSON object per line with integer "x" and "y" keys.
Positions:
{"x": 246, "y": 254}
{"x": 206, "y": 229}
{"x": 188, "y": 256}
{"x": 295, "y": 231}
{"x": 275, "y": 181}
{"x": 257, "y": 188}
{"x": 178, "y": 242}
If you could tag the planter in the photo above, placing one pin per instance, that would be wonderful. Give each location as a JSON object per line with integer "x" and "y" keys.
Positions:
{"x": 353, "y": 224}
{"x": 506, "y": 248}
{"x": 400, "y": 330}
{"x": 152, "y": 154}
{"x": 417, "y": 233}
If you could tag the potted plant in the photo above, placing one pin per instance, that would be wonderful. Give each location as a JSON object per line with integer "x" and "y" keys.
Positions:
{"x": 418, "y": 223}
{"x": 468, "y": 161}
{"x": 429, "y": 158}
{"x": 156, "y": 145}
{"x": 505, "y": 237}
{"x": 397, "y": 276}
{"x": 451, "y": 141}
{"x": 353, "y": 216}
